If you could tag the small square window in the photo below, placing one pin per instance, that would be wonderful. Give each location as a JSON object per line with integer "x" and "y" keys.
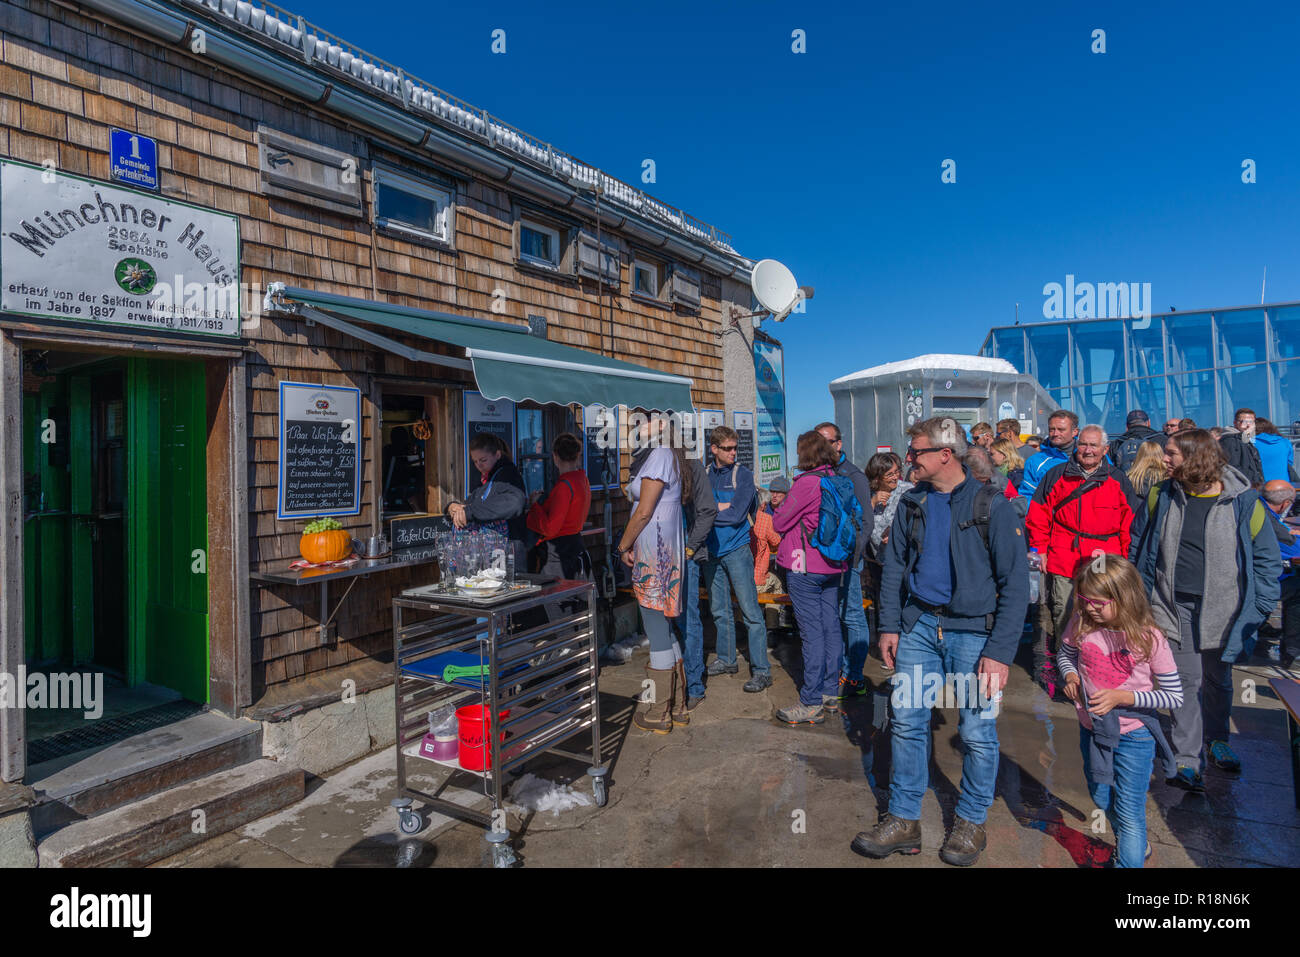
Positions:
{"x": 539, "y": 244}
{"x": 645, "y": 278}
{"x": 411, "y": 205}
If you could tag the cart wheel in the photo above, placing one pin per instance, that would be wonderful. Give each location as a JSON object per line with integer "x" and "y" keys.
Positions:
{"x": 503, "y": 855}
{"x": 410, "y": 822}
{"x": 598, "y": 792}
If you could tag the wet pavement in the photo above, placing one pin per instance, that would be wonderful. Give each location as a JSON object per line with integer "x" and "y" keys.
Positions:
{"x": 738, "y": 789}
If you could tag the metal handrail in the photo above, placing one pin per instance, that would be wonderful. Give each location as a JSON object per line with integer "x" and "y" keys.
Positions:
{"x": 337, "y": 56}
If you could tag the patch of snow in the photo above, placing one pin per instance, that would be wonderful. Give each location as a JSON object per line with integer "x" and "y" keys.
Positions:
{"x": 933, "y": 361}
{"x": 531, "y": 793}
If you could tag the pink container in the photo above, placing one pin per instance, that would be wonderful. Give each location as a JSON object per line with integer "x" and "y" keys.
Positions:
{"x": 443, "y": 747}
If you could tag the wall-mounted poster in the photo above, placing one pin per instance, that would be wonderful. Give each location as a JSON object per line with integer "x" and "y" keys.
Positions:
{"x": 493, "y": 416}
{"x": 769, "y": 376}
{"x": 692, "y": 438}
{"x": 320, "y": 451}
{"x": 710, "y": 419}
{"x": 601, "y": 446}
{"x": 743, "y": 423}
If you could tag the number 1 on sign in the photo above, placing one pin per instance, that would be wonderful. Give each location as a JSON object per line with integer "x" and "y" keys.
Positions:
{"x": 135, "y": 147}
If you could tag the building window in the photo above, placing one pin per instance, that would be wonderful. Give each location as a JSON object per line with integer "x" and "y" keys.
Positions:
{"x": 645, "y": 279}
{"x": 538, "y": 244}
{"x": 412, "y": 206}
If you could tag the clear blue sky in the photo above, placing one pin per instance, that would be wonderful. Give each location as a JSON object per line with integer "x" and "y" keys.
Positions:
{"x": 1122, "y": 166}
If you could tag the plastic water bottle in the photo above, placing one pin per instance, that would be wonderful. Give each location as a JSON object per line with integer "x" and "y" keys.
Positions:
{"x": 1034, "y": 576}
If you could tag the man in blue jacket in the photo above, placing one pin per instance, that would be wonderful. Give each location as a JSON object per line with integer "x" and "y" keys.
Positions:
{"x": 1062, "y": 430}
{"x": 955, "y": 586}
{"x": 1279, "y": 497}
{"x": 730, "y": 565}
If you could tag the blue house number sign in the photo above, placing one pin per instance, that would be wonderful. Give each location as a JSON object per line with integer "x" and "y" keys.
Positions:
{"x": 134, "y": 160}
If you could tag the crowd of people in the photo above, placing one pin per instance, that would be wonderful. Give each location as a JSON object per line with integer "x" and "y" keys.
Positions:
{"x": 1155, "y": 559}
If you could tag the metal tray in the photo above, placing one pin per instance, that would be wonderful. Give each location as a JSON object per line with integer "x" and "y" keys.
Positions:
{"x": 450, "y": 593}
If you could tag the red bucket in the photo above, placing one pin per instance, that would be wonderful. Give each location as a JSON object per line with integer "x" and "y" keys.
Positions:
{"x": 475, "y": 752}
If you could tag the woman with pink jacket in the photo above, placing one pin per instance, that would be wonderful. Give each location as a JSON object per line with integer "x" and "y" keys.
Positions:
{"x": 813, "y": 584}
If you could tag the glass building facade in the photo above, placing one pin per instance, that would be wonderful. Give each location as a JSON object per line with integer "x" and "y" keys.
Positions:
{"x": 1199, "y": 365}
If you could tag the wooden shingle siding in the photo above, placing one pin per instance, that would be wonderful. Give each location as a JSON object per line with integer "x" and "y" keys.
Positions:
{"x": 66, "y": 78}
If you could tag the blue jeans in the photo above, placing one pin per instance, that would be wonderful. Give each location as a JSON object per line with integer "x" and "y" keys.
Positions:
{"x": 734, "y": 571}
{"x": 816, "y": 610}
{"x": 1125, "y": 801}
{"x": 853, "y": 622}
{"x": 692, "y": 631}
{"x": 956, "y": 653}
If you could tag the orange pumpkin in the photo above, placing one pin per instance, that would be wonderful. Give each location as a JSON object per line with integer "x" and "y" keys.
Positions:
{"x": 331, "y": 546}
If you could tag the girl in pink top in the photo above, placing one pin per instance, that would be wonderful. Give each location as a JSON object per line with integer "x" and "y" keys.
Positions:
{"x": 1118, "y": 669}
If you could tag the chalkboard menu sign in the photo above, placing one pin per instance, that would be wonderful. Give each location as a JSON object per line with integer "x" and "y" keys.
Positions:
{"x": 601, "y": 446}
{"x": 320, "y": 451}
{"x": 416, "y": 531}
{"x": 743, "y": 423}
{"x": 493, "y": 416}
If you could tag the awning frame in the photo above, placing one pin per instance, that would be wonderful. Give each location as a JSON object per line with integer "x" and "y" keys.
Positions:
{"x": 315, "y": 307}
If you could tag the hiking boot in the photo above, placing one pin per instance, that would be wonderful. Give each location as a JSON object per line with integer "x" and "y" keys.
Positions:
{"x": 893, "y": 835}
{"x": 681, "y": 715}
{"x": 964, "y": 843}
{"x": 1189, "y": 779}
{"x": 694, "y": 701}
{"x": 831, "y": 704}
{"x": 719, "y": 667}
{"x": 852, "y": 689}
{"x": 656, "y": 717}
{"x": 758, "y": 682}
{"x": 802, "y": 714}
{"x": 1223, "y": 757}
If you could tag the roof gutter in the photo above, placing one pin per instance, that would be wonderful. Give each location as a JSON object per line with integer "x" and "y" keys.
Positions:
{"x": 240, "y": 55}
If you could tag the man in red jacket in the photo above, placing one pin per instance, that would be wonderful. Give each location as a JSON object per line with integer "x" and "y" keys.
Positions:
{"x": 1081, "y": 508}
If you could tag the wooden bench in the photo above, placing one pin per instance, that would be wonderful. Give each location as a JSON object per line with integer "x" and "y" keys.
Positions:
{"x": 1288, "y": 692}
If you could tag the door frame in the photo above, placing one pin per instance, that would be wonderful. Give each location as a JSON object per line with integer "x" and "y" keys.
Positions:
{"x": 227, "y": 375}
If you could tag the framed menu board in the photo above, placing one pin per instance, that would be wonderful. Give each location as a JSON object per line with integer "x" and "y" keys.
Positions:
{"x": 320, "y": 451}
{"x": 743, "y": 423}
{"x": 493, "y": 416}
{"x": 601, "y": 446}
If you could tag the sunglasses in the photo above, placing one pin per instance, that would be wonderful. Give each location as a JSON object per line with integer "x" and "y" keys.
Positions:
{"x": 1097, "y": 604}
{"x": 913, "y": 451}
{"x": 726, "y": 448}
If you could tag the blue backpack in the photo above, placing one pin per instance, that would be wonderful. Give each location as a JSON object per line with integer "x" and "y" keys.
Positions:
{"x": 839, "y": 519}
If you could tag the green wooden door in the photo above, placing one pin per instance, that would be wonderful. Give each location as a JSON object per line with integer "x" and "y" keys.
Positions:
{"x": 167, "y": 527}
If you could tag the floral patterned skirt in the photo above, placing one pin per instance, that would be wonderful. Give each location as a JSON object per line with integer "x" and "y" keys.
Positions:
{"x": 657, "y": 567}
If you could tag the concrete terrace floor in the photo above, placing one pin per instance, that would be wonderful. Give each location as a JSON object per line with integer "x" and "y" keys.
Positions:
{"x": 738, "y": 789}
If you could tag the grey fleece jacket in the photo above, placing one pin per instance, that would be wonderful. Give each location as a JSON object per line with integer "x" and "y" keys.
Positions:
{"x": 1228, "y": 588}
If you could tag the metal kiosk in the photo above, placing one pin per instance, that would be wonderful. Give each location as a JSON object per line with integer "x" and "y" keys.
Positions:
{"x": 537, "y": 682}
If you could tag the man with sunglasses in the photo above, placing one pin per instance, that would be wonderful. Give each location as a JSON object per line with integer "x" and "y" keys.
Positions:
{"x": 953, "y": 594}
{"x": 730, "y": 565}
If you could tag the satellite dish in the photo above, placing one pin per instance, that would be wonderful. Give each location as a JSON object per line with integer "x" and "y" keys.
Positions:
{"x": 775, "y": 288}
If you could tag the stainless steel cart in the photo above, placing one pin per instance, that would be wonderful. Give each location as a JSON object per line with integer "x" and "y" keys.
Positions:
{"x": 543, "y": 675}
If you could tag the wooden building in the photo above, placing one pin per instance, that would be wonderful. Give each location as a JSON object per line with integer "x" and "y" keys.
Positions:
{"x": 411, "y": 242}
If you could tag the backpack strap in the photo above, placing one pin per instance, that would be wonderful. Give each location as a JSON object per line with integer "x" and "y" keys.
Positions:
{"x": 981, "y": 512}
{"x": 1083, "y": 488}
{"x": 1153, "y": 497}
